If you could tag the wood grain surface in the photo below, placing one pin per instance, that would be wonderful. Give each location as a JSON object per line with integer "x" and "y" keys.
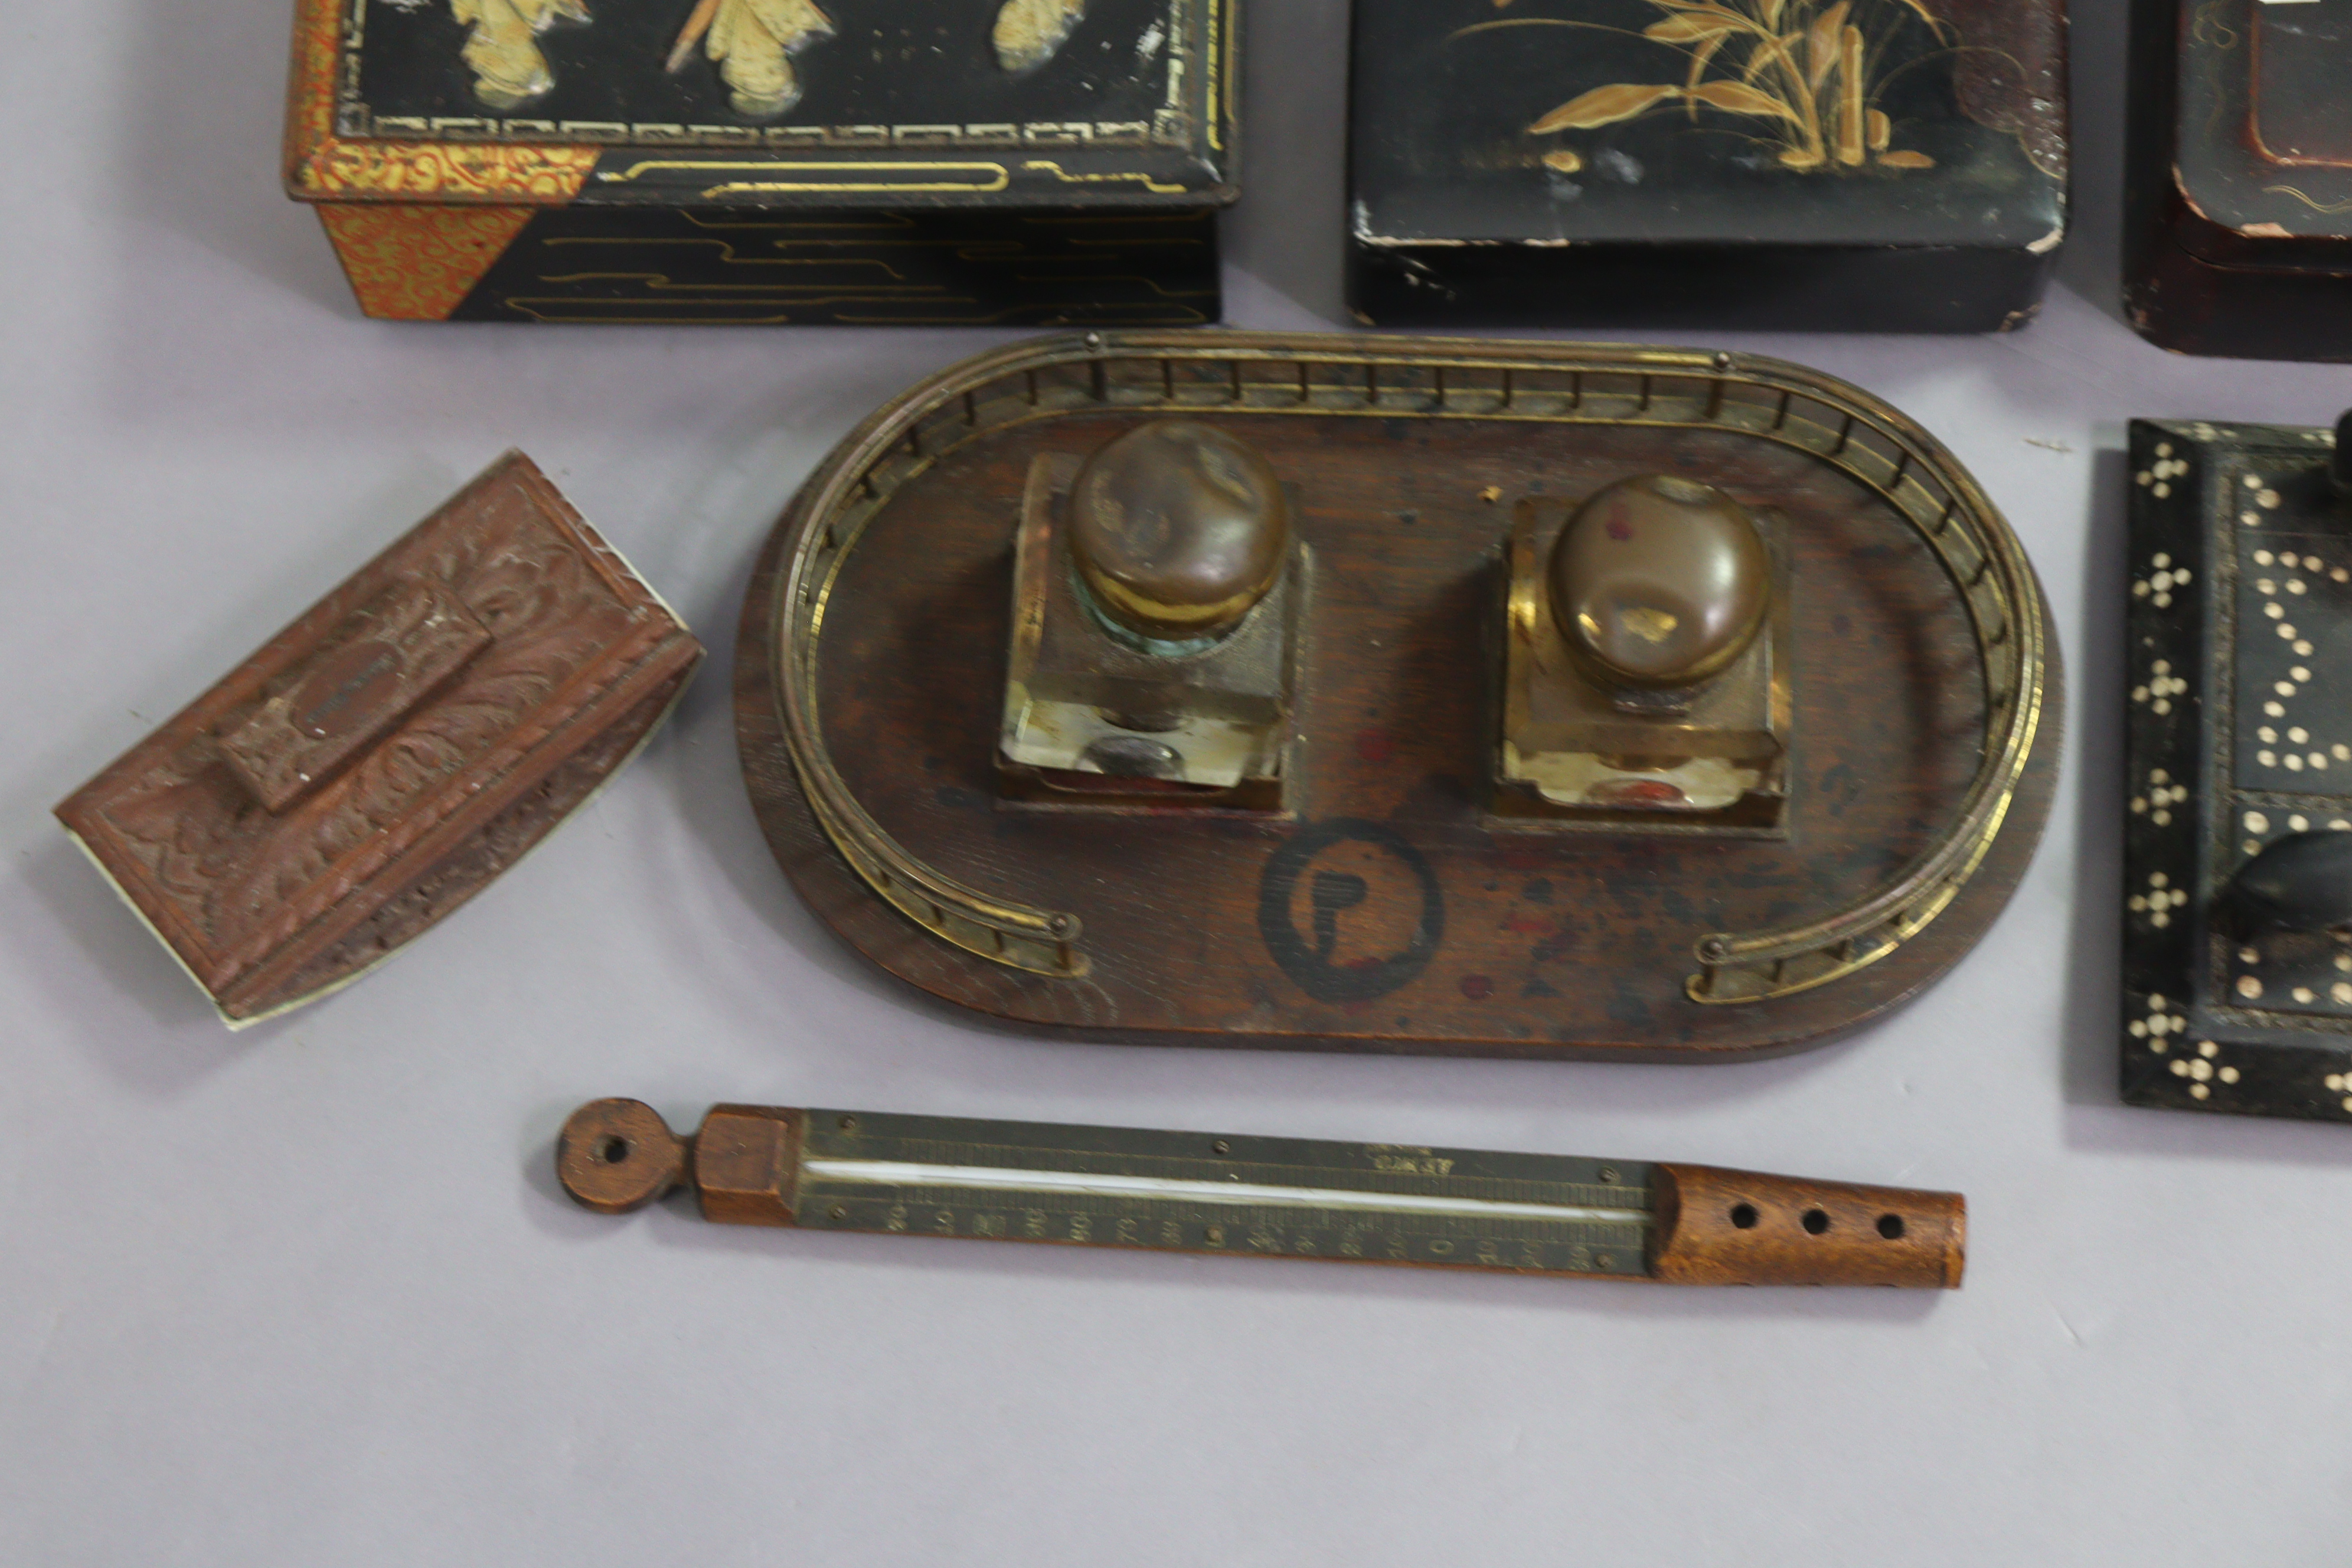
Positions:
{"x": 1471, "y": 936}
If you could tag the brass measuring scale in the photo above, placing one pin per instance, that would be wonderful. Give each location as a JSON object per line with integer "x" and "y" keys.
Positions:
{"x": 1182, "y": 1191}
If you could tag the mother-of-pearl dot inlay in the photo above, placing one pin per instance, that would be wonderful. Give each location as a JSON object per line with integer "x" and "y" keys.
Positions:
{"x": 2257, "y": 822}
{"x": 2249, "y": 988}
{"x": 2162, "y": 687}
{"x": 2158, "y": 902}
{"x": 2203, "y": 1069}
{"x": 2160, "y": 1024}
{"x": 2162, "y": 579}
{"x": 2162, "y": 795}
{"x": 2337, "y": 1083}
{"x": 2158, "y": 476}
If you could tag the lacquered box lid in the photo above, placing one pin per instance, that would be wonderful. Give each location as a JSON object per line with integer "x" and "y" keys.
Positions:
{"x": 384, "y": 757}
{"x": 766, "y": 103}
{"x": 1748, "y": 122}
{"x": 2262, "y": 132}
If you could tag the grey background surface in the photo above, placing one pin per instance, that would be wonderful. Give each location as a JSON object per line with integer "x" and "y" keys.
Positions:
{"x": 307, "y": 1295}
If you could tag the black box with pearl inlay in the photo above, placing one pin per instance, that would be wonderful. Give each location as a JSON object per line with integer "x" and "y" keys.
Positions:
{"x": 2237, "y": 971}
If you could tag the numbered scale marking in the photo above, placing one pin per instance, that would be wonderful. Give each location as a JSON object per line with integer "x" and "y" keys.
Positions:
{"x": 1186, "y": 1191}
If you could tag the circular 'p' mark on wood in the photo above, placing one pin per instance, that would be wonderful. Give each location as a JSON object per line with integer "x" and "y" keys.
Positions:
{"x": 1350, "y": 911}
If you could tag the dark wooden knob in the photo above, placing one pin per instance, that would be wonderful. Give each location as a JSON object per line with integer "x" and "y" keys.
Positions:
{"x": 1177, "y": 529}
{"x": 2300, "y": 882}
{"x": 1660, "y": 581}
{"x": 615, "y": 1155}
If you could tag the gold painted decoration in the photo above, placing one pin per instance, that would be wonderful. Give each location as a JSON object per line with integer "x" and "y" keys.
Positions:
{"x": 418, "y": 263}
{"x": 454, "y": 171}
{"x": 753, "y": 42}
{"x": 1029, "y": 32}
{"x": 323, "y": 167}
{"x": 502, "y": 50}
{"x": 1808, "y": 71}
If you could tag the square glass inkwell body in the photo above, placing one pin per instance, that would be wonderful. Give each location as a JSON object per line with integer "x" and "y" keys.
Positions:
{"x": 1645, "y": 663}
{"x": 1157, "y": 596}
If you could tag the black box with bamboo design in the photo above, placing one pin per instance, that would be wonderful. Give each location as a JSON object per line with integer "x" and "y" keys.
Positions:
{"x": 1865, "y": 165}
{"x": 1021, "y": 162}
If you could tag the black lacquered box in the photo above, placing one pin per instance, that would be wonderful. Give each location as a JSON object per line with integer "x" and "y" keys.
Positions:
{"x": 1867, "y": 165}
{"x": 1019, "y": 163}
{"x": 2238, "y": 221}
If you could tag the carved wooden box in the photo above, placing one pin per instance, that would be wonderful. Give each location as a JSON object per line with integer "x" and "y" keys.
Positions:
{"x": 377, "y": 762}
{"x": 1852, "y": 165}
{"x": 999, "y": 163}
{"x": 2238, "y": 221}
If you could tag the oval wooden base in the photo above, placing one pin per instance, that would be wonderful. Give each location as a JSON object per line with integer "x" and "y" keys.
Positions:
{"x": 1472, "y": 938}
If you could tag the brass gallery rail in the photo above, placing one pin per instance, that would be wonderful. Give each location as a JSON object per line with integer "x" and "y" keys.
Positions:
{"x": 1340, "y": 377}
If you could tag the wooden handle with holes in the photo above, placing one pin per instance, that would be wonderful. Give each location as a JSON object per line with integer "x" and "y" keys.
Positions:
{"x": 1739, "y": 1227}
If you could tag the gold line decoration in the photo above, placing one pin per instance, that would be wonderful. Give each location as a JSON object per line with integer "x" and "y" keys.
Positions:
{"x": 502, "y": 50}
{"x": 1028, "y": 33}
{"x": 2331, "y": 208}
{"x": 1808, "y": 71}
{"x": 1224, "y": 74}
{"x": 983, "y": 175}
{"x": 417, "y": 263}
{"x": 1135, "y": 177}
